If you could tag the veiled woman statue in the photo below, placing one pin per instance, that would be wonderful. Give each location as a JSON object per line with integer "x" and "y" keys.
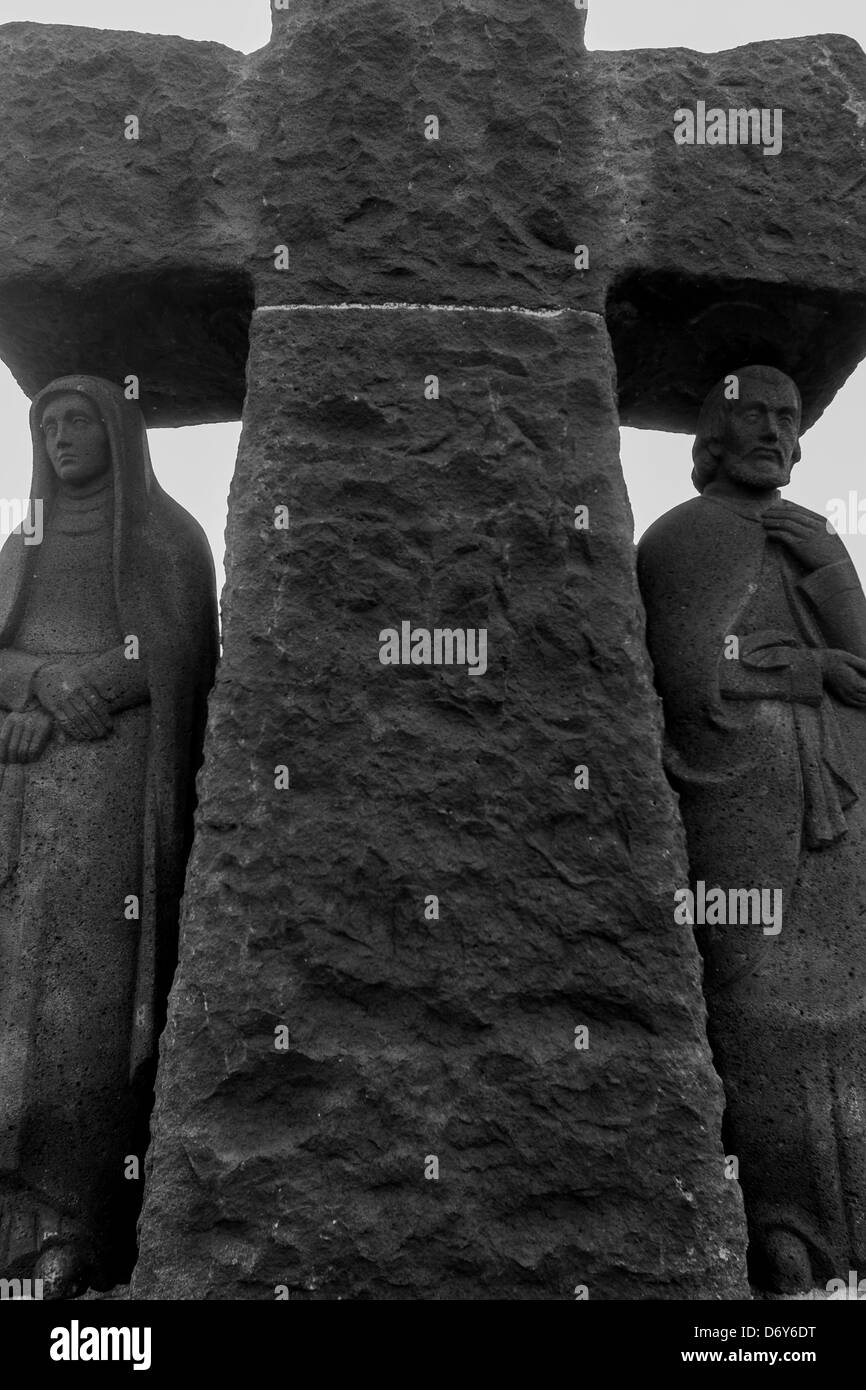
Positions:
{"x": 108, "y": 643}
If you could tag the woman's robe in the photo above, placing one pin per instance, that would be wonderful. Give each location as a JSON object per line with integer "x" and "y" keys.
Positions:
{"x": 93, "y": 840}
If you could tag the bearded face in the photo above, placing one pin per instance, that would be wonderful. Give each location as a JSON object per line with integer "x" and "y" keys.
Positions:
{"x": 760, "y": 439}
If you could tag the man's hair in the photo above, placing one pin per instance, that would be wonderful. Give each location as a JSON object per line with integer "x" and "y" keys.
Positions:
{"x": 713, "y": 419}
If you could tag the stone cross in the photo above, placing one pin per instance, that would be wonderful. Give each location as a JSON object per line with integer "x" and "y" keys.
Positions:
{"x": 434, "y": 1031}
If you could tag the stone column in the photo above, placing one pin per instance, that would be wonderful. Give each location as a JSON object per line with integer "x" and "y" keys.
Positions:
{"x": 435, "y": 1033}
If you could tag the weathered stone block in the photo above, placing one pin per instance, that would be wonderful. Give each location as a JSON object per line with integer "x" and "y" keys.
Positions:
{"x": 305, "y": 907}
{"x": 724, "y": 254}
{"x": 124, "y": 255}
{"x": 146, "y": 256}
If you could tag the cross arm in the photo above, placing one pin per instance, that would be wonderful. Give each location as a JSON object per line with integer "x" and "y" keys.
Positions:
{"x": 723, "y": 253}
{"x": 122, "y": 235}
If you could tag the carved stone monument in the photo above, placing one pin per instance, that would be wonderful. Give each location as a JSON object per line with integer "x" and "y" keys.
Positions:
{"x": 756, "y": 624}
{"x": 434, "y": 1032}
{"x": 108, "y": 642}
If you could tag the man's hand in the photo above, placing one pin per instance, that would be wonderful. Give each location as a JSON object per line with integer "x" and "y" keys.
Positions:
{"x": 805, "y": 534}
{"x": 69, "y": 697}
{"x": 24, "y": 735}
{"x": 845, "y": 675}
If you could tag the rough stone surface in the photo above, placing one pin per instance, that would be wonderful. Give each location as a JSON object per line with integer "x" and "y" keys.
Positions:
{"x": 122, "y": 256}
{"x": 411, "y": 1038}
{"x": 147, "y": 256}
{"x": 724, "y": 253}
{"x": 305, "y": 907}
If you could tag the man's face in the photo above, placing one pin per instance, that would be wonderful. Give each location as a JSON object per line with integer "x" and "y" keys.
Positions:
{"x": 761, "y": 436}
{"x": 76, "y": 439}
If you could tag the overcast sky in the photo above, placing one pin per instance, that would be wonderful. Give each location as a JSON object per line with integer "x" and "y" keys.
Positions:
{"x": 195, "y": 465}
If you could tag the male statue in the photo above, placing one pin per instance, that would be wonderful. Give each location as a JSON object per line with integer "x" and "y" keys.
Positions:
{"x": 756, "y": 624}
{"x": 108, "y": 641}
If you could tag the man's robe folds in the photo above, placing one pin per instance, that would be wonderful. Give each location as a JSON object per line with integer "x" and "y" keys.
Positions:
{"x": 770, "y": 769}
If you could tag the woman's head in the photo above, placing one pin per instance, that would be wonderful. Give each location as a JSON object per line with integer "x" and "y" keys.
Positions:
{"x": 84, "y": 428}
{"x": 76, "y": 439}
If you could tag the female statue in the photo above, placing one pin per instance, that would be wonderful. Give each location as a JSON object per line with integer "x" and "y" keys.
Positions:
{"x": 108, "y": 643}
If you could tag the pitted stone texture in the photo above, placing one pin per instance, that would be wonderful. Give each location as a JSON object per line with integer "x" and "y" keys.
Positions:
{"x": 731, "y": 209}
{"x": 412, "y": 1038}
{"x": 124, "y": 256}
{"x": 89, "y": 199}
{"x": 488, "y": 213}
{"x": 145, "y": 257}
{"x": 725, "y": 254}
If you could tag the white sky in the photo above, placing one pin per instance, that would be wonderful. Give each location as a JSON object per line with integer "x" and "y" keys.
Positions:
{"x": 195, "y": 465}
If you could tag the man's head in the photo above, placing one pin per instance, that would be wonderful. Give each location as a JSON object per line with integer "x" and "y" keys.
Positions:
{"x": 75, "y": 438}
{"x": 748, "y": 430}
